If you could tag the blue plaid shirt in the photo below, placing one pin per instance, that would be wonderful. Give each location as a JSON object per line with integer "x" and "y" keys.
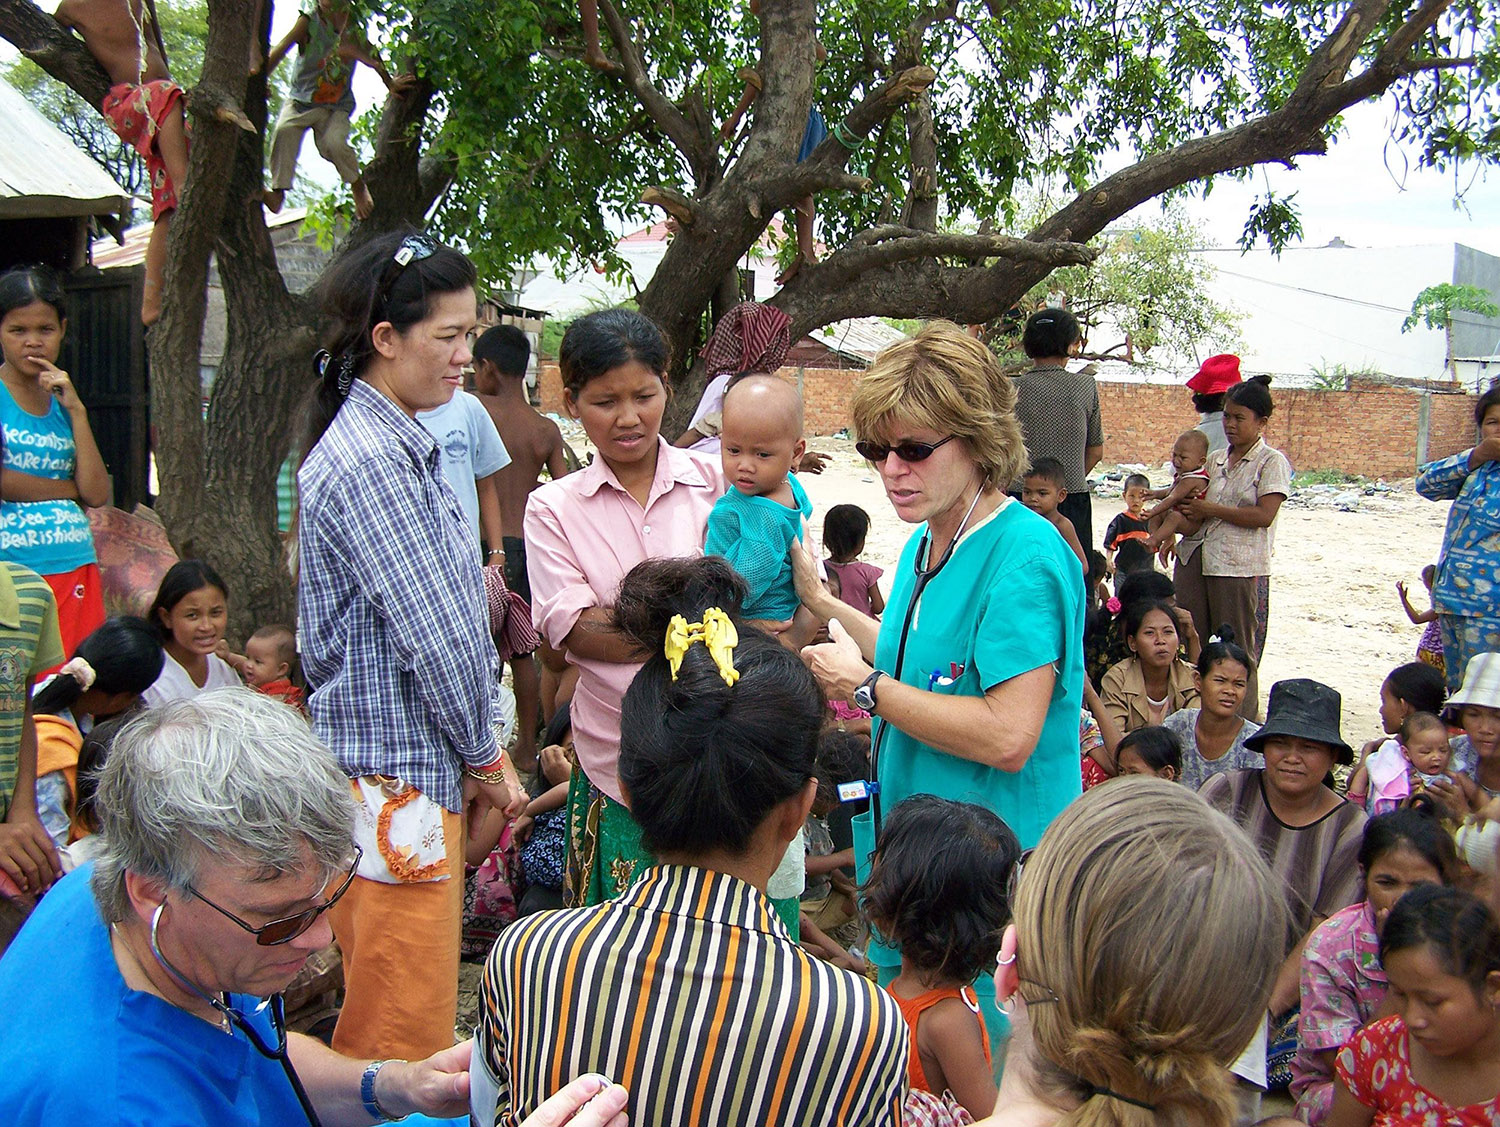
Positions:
{"x": 391, "y": 604}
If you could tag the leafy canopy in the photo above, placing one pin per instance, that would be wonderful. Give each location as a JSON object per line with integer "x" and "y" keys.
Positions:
{"x": 550, "y": 157}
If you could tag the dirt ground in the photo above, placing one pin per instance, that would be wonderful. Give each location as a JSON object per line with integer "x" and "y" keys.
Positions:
{"x": 1334, "y": 611}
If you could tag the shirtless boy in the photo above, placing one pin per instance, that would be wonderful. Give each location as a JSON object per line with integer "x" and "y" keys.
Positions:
{"x": 144, "y": 108}
{"x": 532, "y": 439}
{"x": 1043, "y": 488}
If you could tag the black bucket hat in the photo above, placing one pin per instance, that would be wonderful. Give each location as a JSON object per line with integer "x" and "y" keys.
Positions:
{"x": 1305, "y": 709}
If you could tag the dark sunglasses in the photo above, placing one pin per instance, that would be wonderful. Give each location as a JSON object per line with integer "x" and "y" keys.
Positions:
{"x": 906, "y": 451}
{"x": 413, "y": 248}
{"x": 287, "y": 928}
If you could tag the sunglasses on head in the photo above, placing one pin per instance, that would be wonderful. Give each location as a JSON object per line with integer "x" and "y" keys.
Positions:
{"x": 287, "y": 928}
{"x": 413, "y": 248}
{"x": 907, "y": 451}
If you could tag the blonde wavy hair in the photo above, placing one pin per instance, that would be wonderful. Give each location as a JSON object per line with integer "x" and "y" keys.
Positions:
{"x": 943, "y": 379}
{"x": 1149, "y": 930}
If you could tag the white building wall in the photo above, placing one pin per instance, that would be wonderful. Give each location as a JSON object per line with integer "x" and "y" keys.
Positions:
{"x": 1316, "y": 307}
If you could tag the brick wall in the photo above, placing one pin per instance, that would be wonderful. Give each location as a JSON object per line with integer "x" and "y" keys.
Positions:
{"x": 1370, "y": 429}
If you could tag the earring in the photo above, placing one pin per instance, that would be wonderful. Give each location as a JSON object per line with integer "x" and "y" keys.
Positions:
{"x": 1008, "y": 1006}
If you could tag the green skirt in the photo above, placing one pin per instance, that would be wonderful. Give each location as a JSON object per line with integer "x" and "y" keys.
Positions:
{"x": 605, "y": 852}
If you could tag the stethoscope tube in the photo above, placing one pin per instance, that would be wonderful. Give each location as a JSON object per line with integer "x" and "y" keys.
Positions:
{"x": 924, "y": 576}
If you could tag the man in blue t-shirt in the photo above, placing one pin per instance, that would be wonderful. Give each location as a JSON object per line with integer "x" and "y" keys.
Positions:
{"x": 134, "y": 994}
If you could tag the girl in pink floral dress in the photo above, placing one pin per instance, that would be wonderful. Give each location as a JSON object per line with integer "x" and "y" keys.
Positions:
{"x": 1436, "y": 1061}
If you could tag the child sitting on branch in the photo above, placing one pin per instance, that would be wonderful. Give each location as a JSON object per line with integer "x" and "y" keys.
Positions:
{"x": 143, "y": 107}
{"x": 329, "y": 47}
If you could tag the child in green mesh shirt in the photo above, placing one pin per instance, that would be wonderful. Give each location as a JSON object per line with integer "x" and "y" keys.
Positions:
{"x": 765, "y": 511}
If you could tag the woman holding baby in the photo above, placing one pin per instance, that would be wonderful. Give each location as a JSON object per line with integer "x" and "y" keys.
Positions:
{"x": 642, "y": 498}
{"x": 975, "y": 672}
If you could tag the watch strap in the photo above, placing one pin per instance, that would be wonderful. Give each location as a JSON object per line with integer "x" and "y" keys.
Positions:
{"x": 367, "y": 1092}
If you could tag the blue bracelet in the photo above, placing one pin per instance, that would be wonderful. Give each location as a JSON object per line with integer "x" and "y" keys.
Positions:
{"x": 367, "y": 1092}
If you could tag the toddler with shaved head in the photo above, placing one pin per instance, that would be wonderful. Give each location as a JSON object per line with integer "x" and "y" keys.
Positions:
{"x": 765, "y": 511}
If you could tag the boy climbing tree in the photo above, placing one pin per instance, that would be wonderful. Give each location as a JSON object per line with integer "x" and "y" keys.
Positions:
{"x": 143, "y": 107}
{"x": 321, "y": 98}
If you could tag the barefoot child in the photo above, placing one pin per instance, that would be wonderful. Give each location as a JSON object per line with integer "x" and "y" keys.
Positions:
{"x": 765, "y": 511}
{"x": 144, "y": 108}
{"x": 1043, "y": 489}
{"x": 321, "y": 98}
{"x": 1189, "y": 480}
{"x": 939, "y": 886}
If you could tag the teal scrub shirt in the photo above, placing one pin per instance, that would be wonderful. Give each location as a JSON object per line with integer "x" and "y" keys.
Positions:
{"x": 1009, "y": 600}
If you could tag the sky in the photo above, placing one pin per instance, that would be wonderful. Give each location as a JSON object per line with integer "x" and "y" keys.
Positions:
{"x": 1366, "y": 191}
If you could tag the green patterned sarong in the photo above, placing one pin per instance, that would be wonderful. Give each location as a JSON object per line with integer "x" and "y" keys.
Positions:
{"x": 605, "y": 852}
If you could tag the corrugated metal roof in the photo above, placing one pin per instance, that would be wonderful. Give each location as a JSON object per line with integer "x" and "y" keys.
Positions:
{"x": 42, "y": 173}
{"x": 132, "y": 252}
{"x": 862, "y": 337}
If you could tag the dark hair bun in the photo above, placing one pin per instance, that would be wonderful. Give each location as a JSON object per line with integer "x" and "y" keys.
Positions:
{"x": 655, "y": 590}
{"x": 1262, "y": 378}
{"x": 1225, "y": 633}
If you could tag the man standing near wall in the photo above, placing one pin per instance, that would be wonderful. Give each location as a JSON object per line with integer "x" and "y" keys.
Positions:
{"x": 1059, "y": 412}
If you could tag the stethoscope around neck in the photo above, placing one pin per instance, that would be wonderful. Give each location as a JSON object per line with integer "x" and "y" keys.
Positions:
{"x": 923, "y": 577}
{"x": 236, "y": 1020}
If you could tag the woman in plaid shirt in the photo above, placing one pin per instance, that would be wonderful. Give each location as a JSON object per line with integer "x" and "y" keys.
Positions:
{"x": 393, "y": 623}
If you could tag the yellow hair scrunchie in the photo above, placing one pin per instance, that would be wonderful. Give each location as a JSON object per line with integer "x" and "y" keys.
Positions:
{"x": 716, "y": 632}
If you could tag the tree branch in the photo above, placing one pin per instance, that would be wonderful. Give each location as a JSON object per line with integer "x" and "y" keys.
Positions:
{"x": 692, "y": 143}
{"x": 886, "y": 246}
{"x": 1417, "y": 66}
{"x": 53, "y": 48}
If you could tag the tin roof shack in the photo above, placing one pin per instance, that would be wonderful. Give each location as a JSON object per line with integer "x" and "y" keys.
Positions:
{"x": 50, "y": 190}
{"x": 51, "y": 195}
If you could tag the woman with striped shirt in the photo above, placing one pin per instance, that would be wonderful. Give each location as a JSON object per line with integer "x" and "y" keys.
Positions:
{"x": 687, "y": 989}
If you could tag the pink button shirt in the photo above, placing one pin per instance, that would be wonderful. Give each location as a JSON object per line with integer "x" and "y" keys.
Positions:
{"x": 583, "y": 533}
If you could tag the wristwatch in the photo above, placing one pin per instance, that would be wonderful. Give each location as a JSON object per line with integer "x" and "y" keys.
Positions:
{"x": 864, "y": 695}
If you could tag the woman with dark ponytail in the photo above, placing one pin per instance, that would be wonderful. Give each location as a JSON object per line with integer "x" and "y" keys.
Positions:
{"x": 106, "y": 676}
{"x": 718, "y": 736}
{"x": 392, "y": 617}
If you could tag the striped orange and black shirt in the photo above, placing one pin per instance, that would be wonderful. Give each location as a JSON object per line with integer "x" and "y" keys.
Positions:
{"x": 687, "y": 990}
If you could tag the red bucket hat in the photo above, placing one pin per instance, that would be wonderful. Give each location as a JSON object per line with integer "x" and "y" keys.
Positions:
{"x": 1218, "y": 374}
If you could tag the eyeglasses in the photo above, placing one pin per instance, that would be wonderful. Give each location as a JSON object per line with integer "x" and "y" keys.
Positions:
{"x": 906, "y": 451}
{"x": 413, "y": 248}
{"x": 287, "y": 928}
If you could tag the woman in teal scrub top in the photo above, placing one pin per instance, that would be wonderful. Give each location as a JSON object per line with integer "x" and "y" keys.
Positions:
{"x": 975, "y": 672}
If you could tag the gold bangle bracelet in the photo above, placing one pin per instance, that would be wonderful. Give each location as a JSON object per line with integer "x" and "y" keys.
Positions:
{"x": 495, "y": 776}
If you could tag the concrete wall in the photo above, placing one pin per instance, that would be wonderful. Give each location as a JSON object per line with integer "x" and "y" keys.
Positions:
{"x": 1474, "y": 335}
{"x": 1372, "y": 429}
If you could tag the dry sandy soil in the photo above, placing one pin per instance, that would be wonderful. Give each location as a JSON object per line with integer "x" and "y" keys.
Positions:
{"x": 1334, "y": 611}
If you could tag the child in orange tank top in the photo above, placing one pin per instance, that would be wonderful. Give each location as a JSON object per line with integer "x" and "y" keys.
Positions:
{"x": 939, "y": 888}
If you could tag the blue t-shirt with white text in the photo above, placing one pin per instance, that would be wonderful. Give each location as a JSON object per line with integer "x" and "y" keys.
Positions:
{"x": 46, "y": 536}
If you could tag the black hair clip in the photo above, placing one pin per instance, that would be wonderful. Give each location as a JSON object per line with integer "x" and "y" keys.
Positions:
{"x": 320, "y": 361}
{"x": 346, "y": 373}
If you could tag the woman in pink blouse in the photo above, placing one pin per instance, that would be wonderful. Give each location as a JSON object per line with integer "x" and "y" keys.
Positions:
{"x": 642, "y": 498}
{"x": 1343, "y": 985}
